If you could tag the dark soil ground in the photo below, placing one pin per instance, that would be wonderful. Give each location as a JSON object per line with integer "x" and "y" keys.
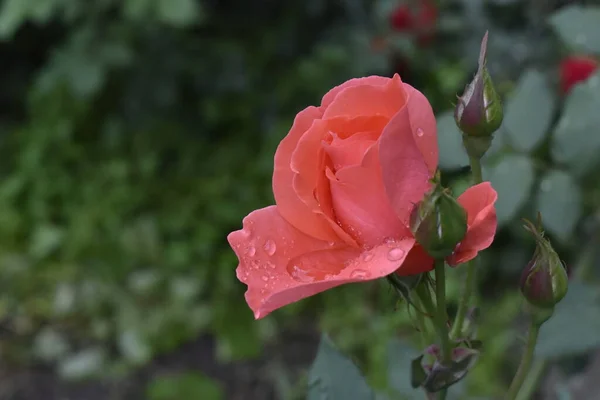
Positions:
{"x": 246, "y": 380}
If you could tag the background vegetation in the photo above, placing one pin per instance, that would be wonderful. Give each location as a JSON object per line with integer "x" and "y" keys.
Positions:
{"x": 136, "y": 134}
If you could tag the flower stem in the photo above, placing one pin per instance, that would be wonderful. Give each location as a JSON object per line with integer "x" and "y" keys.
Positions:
{"x": 463, "y": 305}
{"x": 532, "y": 380}
{"x": 439, "y": 314}
{"x": 441, "y": 317}
{"x": 465, "y": 297}
{"x": 476, "y": 170}
{"x": 515, "y": 386}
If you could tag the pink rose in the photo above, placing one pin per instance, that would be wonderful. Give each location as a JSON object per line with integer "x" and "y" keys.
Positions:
{"x": 345, "y": 180}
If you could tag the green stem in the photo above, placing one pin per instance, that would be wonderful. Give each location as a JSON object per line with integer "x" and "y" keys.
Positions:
{"x": 515, "y": 386}
{"x": 532, "y": 380}
{"x": 463, "y": 305}
{"x": 476, "y": 169}
{"x": 467, "y": 292}
{"x": 425, "y": 296}
{"x": 441, "y": 317}
{"x": 424, "y": 335}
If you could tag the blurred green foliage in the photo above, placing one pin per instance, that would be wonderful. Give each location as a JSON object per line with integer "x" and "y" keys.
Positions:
{"x": 136, "y": 134}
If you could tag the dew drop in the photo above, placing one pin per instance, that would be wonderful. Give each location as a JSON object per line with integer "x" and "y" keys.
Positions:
{"x": 395, "y": 254}
{"x": 246, "y": 234}
{"x": 300, "y": 275}
{"x": 359, "y": 273}
{"x": 390, "y": 242}
{"x": 251, "y": 251}
{"x": 420, "y": 132}
{"x": 265, "y": 278}
{"x": 367, "y": 256}
{"x": 331, "y": 244}
{"x": 270, "y": 247}
{"x": 271, "y": 265}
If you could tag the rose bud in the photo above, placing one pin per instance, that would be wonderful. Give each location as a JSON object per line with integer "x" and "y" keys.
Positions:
{"x": 576, "y": 69}
{"x": 544, "y": 281}
{"x": 438, "y": 223}
{"x": 478, "y": 113}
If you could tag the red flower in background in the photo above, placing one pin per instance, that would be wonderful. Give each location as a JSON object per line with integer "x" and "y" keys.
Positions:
{"x": 419, "y": 19}
{"x": 576, "y": 69}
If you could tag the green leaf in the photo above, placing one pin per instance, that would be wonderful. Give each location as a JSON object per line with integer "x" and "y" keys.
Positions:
{"x": 513, "y": 179}
{"x": 334, "y": 376}
{"x": 559, "y": 201}
{"x": 417, "y": 373}
{"x": 573, "y": 143}
{"x": 529, "y": 111}
{"x": 578, "y": 27}
{"x": 577, "y": 314}
{"x": 452, "y": 154}
{"x": 184, "y": 386}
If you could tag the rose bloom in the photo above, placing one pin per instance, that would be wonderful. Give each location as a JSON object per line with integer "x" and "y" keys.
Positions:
{"x": 574, "y": 70}
{"x": 346, "y": 178}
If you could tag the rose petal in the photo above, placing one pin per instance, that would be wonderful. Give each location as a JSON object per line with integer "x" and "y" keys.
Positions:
{"x": 478, "y": 201}
{"x": 271, "y": 250}
{"x": 423, "y": 125}
{"x": 368, "y": 100}
{"x": 291, "y": 207}
{"x": 368, "y": 80}
{"x": 361, "y": 203}
{"x": 417, "y": 261}
{"x": 350, "y": 151}
{"x": 405, "y": 173}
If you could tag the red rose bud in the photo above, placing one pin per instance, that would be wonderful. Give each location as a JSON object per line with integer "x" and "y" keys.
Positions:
{"x": 419, "y": 19}
{"x": 544, "y": 281}
{"x": 574, "y": 70}
{"x": 479, "y": 110}
{"x": 438, "y": 223}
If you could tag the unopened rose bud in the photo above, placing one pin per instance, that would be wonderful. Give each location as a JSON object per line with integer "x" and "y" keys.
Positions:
{"x": 478, "y": 113}
{"x": 438, "y": 223}
{"x": 544, "y": 281}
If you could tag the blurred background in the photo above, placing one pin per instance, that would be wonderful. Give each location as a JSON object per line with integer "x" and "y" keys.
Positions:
{"x": 136, "y": 134}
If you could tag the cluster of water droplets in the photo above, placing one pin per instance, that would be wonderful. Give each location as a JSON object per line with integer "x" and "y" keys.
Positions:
{"x": 254, "y": 264}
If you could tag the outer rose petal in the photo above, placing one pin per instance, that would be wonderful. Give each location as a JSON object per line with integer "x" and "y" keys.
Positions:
{"x": 404, "y": 170}
{"x": 270, "y": 250}
{"x": 368, "y": 100}
{"x": 423, "y": 125}
{"x": 368, "y": 80}
{"x": 478, "y": 201}
{"x": 290, "y": 205}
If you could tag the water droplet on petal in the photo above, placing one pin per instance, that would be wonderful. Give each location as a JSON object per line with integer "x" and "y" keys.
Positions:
{"x": 367, "y": 256}
{"x": 395, "y": 254}
{"x": 270, "y": 247}
{"x": 420, "y": 132}
{"x": 251, "y": 251}
{"x": 359, "y": 274}
{"x": 246, "y": 234}
{"x": 390, "y": 242}
{"x": 265, "y": 278}
{"x": 331, "y": 244}
{"x": 297, "y": 273}
{"x": 271, "y": 265}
